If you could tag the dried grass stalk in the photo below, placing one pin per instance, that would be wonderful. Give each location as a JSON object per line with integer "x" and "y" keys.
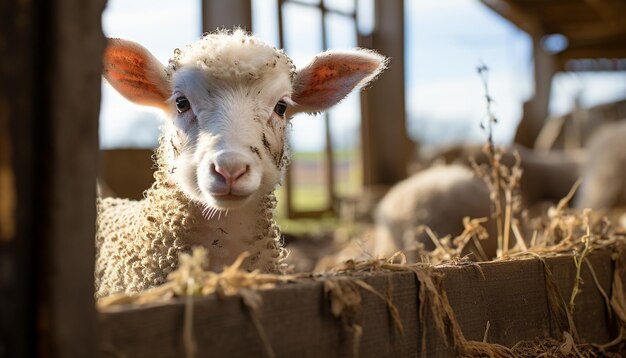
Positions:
{"x": 192, "y": 279}
{"x": 502, "y": 182}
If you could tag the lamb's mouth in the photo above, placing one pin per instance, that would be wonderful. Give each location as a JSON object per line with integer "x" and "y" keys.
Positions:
{"x": 230, "y": 201}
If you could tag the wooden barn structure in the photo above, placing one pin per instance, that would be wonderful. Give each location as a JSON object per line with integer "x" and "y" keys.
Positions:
{"x": 595, "y": 40}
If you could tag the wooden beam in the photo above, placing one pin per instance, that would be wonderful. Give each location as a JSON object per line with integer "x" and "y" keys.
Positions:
{"x": 50, "y": 66}
{"x": 516, "y": 15}
{"x": 589, "y": 32}
{"x": 386, "y": 147}
{"x": 552, "y": 11}
{"x": 226, "y": 14}
{"x": 610, "y": 50}
{"x": 611, "y": 10}
{"x": 535, "y": 110}
{"x": 586, "y": 65}
{"x": 70, "y": 164}
{"x": 297, "y": 321}
{"x": 18, "y": 264}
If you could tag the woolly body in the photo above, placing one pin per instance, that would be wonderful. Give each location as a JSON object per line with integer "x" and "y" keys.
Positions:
{"x": 604, "y": 179}
{"x": 139, "y": 242}
{"x": 438, "y": 197}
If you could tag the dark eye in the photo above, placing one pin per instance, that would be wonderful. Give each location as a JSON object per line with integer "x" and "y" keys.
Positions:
{"x": 280, "y": 108}
{"x": 182, "y": 104}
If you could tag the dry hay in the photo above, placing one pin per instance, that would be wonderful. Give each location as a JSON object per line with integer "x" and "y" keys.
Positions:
{"x": 552, "y": 348}
{"x": 193, "y": 279}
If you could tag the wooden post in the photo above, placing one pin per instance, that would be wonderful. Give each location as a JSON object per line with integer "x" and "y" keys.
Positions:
{"x": 17, "y": 319}
{"x": 536, "y": 109}
{"x": 386, "y": 146}
{"x": 50, "y": 65}
{"x": 226, "y": 14}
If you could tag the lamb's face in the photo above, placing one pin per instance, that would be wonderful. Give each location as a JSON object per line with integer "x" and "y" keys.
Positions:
{"x": 228, "y": 137}
{"x": 229, "y": 96}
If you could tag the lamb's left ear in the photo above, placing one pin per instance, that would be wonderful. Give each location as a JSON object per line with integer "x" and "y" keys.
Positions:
{"x": 333, "y": 75}
{"x": 136, "y": 74}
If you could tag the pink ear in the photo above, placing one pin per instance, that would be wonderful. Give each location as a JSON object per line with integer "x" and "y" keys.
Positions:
{"x": 333, "y": 75}
{"x": 135, "y": 73}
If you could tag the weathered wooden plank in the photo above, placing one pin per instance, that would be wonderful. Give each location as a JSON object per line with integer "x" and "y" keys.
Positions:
{"x": 517, "y": 15}
{"x": 535, "y": 110}
{"x": 509, "y": 297}
{"x": 587, "y": 303}
{"x": 512, "y": 296}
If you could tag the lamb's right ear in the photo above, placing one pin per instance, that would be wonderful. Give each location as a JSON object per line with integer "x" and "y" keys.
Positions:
{"x": 331, "y": 76}
{"x": 136, "y": 74}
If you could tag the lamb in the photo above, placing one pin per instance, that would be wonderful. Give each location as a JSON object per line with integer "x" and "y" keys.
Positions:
{"x": 547, "y": 175}
{"x": 604, "y": 178}
{"x": 438, "y": 197}
{"x": 221, "y": 154}
{"x": 441, "y": 196}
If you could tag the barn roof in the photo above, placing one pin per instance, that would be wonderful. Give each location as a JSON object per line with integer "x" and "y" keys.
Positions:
{"x": 595, "y": 29}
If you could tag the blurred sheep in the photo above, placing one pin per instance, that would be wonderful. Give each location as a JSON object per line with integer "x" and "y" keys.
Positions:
{"x": 604, "y": 178}
{"x": 439, "y": 198}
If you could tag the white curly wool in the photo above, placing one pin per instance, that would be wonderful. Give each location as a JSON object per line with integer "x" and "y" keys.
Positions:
{"x": 221, "y": 154}
{"x": 232, "y": 55}
{"x": 139, "y": 242}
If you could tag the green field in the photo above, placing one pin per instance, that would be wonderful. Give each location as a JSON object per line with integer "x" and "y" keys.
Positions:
{"x": 309, "y": 186}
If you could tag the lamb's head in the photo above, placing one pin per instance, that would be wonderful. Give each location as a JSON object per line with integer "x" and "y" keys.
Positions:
{"x": 229, "y": 97}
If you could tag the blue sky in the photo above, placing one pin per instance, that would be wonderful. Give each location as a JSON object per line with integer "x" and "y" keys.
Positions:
{"x": 445, "y": 39}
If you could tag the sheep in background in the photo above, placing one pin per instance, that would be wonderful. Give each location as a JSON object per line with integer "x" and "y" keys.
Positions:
{"x": 572, "y": 131}
{"x": 438, "y": 197}
{"x": 548, "y": 175}
{"x": 441, "y": 196}
{"x": 221, "y": 154}
{"x": 604, "y": 179}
